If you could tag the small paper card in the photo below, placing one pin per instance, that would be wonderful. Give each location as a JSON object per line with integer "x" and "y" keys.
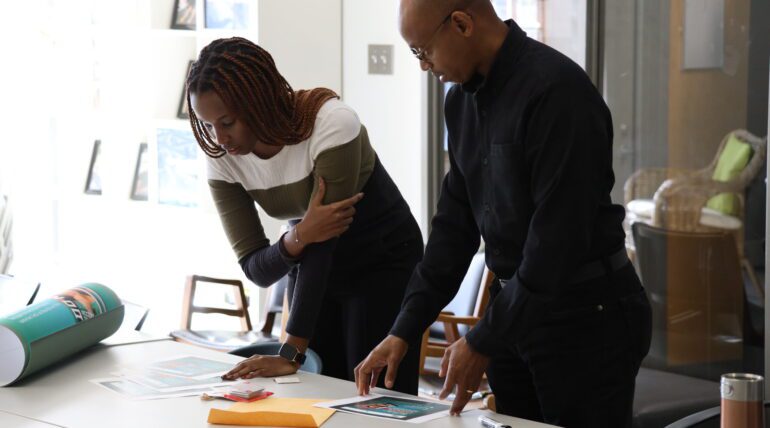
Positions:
{"x": 286, "y": 380}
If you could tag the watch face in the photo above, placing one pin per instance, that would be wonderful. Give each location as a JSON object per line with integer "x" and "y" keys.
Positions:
{"x": 288, "y": 351}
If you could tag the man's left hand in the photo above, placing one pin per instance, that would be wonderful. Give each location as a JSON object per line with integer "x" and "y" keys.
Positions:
{"x": 463, "y": 367}
{"x": 262, "y": 366}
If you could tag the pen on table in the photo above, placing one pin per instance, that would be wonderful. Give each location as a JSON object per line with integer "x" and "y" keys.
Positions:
{"x": 491, "y": 423}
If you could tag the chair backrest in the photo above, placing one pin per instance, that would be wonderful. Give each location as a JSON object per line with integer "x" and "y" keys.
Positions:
{"x": 758, "y": 157}
{"x": 709, "y": 418}
{"x": 313, "y": 363}
{"x": 16, "y": 293}
{"x": 274, "y": 304}
{"x": 695, "y": 288}
{"x": 466, "y": 301}
{"x": 188, "y": 307}
{"x": 134, "y": 315}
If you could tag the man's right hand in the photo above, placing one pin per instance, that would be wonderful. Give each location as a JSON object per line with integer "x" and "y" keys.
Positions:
{"x": 388, "y": 353}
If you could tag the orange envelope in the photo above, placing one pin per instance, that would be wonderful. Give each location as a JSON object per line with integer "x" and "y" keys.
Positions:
{"x": 281, "y": 412}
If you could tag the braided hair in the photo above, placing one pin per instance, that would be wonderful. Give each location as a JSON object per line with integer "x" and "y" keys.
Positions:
{"x": 246, "y": 79}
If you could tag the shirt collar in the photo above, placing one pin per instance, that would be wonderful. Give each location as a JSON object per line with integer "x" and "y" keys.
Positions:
{"x": 503, "y": 64}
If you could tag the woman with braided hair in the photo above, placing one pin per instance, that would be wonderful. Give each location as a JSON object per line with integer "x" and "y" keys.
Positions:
{"x": 303, "y": 156}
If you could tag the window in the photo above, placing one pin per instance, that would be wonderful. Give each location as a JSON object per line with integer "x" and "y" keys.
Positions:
{"x": 687, "y": 84}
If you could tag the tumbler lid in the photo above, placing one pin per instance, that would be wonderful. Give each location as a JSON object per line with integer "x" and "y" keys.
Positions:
{"x": 742, "y": 387}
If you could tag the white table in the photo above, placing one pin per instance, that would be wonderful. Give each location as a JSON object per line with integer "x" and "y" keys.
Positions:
{"x": 63, "y": 396}
{"x": 16, "y": 421}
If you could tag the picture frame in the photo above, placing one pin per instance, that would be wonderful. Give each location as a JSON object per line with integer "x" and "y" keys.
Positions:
{"x": 179, "y": 171}
{"x": 184, "y": 15}
{"x": 94, "y": 179}
{"x": 140, "y": 184}
{"x": 229, "y": 14}
{"x": 182, "y": 111}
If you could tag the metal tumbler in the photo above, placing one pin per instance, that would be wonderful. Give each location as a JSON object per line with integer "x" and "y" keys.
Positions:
{"x": 742, "y": 398}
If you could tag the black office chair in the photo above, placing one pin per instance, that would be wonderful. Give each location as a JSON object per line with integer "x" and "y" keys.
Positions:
{"x": 695, "y": 287}
{"x": 709, "y": 418}
{"x": 694, "y": 284}
{"x": 312, "y": 364}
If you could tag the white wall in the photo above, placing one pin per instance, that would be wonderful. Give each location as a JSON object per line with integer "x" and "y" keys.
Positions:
{"x": 392, "y": 107}
{"x": 305, "y": 39}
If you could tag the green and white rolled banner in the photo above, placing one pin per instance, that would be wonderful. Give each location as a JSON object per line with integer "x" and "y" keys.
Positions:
{"x": 48, "y": 331}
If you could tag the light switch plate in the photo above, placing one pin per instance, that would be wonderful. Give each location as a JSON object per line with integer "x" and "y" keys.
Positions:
{"x": 380, "y": 59}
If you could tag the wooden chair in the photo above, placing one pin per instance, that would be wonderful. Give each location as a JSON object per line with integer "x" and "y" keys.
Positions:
{"x": 227, "y": 341}
{"x": 463, "y": 312}
{"x": 679, "y": 195}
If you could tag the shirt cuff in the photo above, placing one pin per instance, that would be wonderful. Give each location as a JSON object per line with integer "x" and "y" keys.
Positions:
{"x": 407, "y": 327}
{"x": 287, "y": 258}
{"x": 481, "y": 339}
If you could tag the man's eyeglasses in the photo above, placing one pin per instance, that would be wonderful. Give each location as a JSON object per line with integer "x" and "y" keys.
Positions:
{"x": 419, "y": 53}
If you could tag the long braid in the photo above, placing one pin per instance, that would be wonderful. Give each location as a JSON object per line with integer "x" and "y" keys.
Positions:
{"x": 245, "y": 76}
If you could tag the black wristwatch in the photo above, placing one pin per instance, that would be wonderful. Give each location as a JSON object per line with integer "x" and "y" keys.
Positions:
{"x": 291, "y": 353}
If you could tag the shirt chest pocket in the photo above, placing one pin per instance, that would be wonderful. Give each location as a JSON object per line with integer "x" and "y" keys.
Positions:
{"x": 503, "y": 151}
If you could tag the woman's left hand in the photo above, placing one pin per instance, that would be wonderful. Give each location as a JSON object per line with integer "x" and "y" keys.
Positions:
{"x": 262, "y": 366}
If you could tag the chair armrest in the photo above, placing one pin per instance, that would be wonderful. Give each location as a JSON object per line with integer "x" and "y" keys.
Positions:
{"x": 679, "y": 201}
{"x": 643, "y": 183}
{"x": 453, "y": 319}
{"x": 451, "y": 331}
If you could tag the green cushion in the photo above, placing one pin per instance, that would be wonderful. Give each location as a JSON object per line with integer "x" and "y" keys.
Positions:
{"x": 732, "y": 161}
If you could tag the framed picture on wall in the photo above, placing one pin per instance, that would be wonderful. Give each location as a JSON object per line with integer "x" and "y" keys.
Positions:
{"x": 184, "y": 15}
{"x": 179, "y": 169}
{"x": 182, "y": 111}
{"x": 141, "y": 180}
{"x": 94, "y": 179}
{"x": 229, "y": 14}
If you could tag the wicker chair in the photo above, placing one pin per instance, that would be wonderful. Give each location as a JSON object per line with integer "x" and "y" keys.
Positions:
{"x": 676, "y": 199}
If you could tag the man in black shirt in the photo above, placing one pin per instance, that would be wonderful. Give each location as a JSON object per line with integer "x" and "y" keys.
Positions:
{"x": 530, "y": 151}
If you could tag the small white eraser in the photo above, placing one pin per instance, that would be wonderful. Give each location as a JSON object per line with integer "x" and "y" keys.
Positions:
{"x": 286, "y": 380}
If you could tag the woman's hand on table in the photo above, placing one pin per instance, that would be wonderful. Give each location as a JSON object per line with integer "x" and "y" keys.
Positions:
{"x": 261, "y": 366}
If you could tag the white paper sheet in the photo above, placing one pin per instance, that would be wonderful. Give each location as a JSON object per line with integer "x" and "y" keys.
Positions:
{"x": 191, "y": 366}
{"x": 134, "y": 391}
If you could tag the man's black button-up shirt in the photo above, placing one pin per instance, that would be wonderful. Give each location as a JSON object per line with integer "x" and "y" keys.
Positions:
{"x": 530, "y": 150}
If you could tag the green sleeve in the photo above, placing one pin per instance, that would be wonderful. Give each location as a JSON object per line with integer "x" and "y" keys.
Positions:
{"x": 239, "y": 217}
{"x": 345, "y": 168}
